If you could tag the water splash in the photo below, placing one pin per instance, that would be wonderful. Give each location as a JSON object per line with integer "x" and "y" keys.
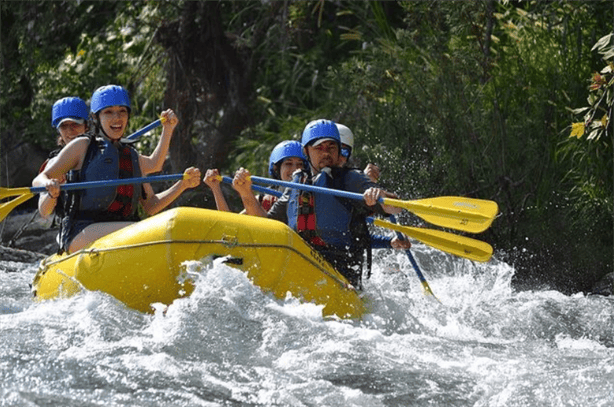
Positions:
{"x": 230, "y": 343}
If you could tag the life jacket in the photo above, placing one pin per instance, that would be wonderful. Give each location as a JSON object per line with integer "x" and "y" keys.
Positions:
{"x": 267, "y": 201}
{"x": 334, "y": 226}
{"x": 105, "y": 160}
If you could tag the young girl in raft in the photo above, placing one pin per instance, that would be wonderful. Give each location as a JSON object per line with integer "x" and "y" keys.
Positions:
{"x": 69, "y": 116}
{"x": 93, "y": 213}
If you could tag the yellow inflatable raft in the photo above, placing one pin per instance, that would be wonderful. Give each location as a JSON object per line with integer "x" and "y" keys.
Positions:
{"x": 142, "y": 263}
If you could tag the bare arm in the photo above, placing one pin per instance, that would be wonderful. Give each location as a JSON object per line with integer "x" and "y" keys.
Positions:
{"x": 212, "y": 180}
{"x": 372, "y": 195}
{"x": 54, "y": 174}
{"x": 155, "y": 161}
{"x": 154, "y": 203}
{"x": 46, "y": 204}
{"x": 243, "y": 185}
{"x": 70, "y": 158}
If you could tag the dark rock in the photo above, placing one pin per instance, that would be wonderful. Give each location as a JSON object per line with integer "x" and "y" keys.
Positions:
{"x": 20, "y": 161}
{"x": 18, "y": 255}
{"x": 26, "y": 230}
{"x": 605, "y": 286}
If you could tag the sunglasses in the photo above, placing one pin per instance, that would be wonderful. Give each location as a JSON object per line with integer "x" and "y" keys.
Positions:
{"x": 345, "y": 152}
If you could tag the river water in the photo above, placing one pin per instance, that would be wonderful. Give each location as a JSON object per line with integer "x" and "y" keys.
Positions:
{"x": 229, "y": 344}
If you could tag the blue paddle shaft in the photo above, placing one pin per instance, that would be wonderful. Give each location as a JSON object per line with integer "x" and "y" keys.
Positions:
{"x": 144, "y": 130}
{"x": 111, "y": 183}
{"x": 409, "y": 255}
{"x": 311, "y": 188}
{"x": 257, "y": 188}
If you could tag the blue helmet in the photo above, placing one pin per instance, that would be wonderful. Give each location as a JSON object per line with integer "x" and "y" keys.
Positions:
{"x": 320, "y": 129}
{"x": 68, "y": 108}
{"x": 284, "y": 150}
{"x": 109, "y": 95}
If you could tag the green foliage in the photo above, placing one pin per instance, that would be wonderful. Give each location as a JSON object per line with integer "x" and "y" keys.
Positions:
{"x": 84, "y": 49}
{"x": 590, "y": 161}
{"x": 447, "y": 108}
{"x": 292, "y": 61}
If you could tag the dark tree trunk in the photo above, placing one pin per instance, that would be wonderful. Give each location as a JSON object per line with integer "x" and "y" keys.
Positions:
{"x": 208, "y": 87}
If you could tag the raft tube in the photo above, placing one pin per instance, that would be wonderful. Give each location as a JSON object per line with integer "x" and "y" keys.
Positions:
{"x": 143, "y": 263}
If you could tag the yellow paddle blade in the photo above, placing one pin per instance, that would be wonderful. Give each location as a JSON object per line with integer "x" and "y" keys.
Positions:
{"x": 7, "y": 207}
{"x": 426, "y": 288}
{"x": 454, "y": 212}
{"x": 461, "y": 246}
{"x": 6, "y": 192}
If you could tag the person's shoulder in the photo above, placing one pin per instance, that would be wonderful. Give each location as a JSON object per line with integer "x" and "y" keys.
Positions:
{"x": 355, "y": 174}
{"x": 78, "y": 143}
{"x": 75, "y": 148}
{"x": 355, "y": 180}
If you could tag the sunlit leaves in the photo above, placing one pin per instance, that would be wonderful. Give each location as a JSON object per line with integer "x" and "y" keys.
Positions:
{"x": 603, "y": 45}
{"x": 601, "y": 93}
{"x": 577, "y": 130}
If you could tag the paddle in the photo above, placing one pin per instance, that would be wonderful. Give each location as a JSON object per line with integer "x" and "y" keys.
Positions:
{"x": 460, "y": 213}
{"x": 145, "y": 129}
{"x": 461, "y": 246}
{"x": 25, "y": 193}
{"x": 425, "y": 286}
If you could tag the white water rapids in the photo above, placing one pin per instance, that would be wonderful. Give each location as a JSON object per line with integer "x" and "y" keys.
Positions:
{"x": 230, "y": 344}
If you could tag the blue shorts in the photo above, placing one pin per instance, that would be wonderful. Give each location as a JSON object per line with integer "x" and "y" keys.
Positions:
{"x": 69, "y": 232}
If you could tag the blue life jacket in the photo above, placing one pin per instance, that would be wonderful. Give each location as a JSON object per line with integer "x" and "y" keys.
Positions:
{"x": 84, "y": 207}
{"x": 333, "y": 215}
{"x": 102, "y": 162}
{"x": 336, "y": 226}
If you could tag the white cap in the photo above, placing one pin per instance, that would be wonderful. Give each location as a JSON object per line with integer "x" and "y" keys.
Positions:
{"x": 71, "y": 119}
{"x": 322, "y": 140}
{"x": 346, "y": 135}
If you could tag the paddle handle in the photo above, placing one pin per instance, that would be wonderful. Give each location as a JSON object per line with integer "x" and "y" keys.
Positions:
{"x": 144, "y": 130}
{"x": 256, "y": 188}
{"x": 111, "y": 183}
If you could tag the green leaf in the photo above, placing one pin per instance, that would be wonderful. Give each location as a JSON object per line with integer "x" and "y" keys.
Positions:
{"x": 595, "y": 134}
{"x": 603, "y": 41}
{"x": 580, "y": 110}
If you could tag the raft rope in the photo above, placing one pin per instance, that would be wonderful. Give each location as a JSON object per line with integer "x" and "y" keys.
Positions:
{"x": 59, "y": 271}
{"x": 94, "y": 251}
